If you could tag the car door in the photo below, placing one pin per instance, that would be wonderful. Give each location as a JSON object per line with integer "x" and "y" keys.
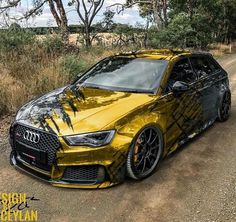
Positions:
{"x": 207, "y": 87}
{"x": 183, "y": 110}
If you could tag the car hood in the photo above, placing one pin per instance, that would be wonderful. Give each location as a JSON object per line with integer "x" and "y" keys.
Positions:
{"x": 72, "y": 110}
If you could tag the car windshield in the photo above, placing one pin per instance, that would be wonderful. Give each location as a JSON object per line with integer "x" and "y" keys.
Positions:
{"x": 125, "y": 74}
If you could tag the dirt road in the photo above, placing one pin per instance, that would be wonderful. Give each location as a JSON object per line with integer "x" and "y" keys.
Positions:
{"x": 197, "y": 183}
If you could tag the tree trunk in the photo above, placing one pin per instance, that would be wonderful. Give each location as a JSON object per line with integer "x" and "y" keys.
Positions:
{"x": 145, "y": 41}
{"x": 88, "y": 42}
{"x": 59, "y": 15}
{"x": 156, "y": 18}
{"x": 65, "y": 34}
{"x": 165, "y": 16}
{"x": 160, "y": 16}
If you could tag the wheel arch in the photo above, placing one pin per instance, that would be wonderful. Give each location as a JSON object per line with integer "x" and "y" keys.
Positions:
{"x": 223, "y": 88}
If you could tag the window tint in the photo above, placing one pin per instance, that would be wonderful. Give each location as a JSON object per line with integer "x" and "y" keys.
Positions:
{"x": 182, "y": 71}
{"x": 201, "y": 66}
{"x": 213, "y": 65}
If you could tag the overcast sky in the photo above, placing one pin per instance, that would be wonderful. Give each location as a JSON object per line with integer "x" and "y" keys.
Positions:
{"x": 129, "y": 16}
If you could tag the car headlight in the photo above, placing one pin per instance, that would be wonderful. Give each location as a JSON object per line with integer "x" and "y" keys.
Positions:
{"x": 91, "y": 139}
{"x": 18, "y": 114}
{"x": 21, "y": 111}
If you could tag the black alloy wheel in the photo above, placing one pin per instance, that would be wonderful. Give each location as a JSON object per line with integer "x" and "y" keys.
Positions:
{"x": 224, "y": 109}
{"x": 145, "y": 153}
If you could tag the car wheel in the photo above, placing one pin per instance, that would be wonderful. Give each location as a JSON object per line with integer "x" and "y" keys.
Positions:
{"x": 224, "y": 108}
{"x": 145, "y": 153}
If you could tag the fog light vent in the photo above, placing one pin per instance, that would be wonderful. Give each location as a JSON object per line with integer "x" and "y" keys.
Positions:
{"x": 84, "y": 174}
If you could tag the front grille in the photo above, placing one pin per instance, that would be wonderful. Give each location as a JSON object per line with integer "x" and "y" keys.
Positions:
{"x": 48, "y": 143}
{"x": 81, "y": 174}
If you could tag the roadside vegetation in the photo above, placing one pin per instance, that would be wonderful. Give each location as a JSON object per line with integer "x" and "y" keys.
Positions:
{"x": 30, "y": 67}
{"x": 37, "y": 60}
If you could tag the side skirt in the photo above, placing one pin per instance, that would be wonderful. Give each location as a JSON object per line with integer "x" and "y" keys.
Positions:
{"x": 190, "y": 136}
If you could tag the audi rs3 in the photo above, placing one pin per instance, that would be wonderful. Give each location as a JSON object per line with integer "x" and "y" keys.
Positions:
{"x": 120, "y": 118}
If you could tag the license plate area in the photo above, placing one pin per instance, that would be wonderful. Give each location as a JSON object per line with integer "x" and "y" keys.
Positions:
{"x": 32, "y": 156}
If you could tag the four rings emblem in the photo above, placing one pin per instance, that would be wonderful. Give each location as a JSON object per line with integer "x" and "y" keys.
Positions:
{"x": 31, "y": 136}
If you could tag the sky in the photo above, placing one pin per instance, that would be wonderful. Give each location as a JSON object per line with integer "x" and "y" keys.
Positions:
{"x": 129, "y": 16}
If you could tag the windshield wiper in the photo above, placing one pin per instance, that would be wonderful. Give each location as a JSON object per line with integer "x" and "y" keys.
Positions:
{"x": 95, "y": 87}
{"x": 138, "y": 91}
{"x": 119, "y": 89}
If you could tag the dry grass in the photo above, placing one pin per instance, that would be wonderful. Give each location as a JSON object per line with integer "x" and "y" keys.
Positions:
{"x": 13, "y": 93}
{"x": 219, "y": 49}
{"x": 106, "y": 39}
{"x": 34, "y": 72}
{"x": 15, "y": 89}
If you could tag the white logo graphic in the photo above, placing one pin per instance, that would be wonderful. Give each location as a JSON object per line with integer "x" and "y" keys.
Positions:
{"x": 31, "y": 136}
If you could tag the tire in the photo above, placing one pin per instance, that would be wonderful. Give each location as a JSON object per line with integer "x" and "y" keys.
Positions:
{"x": 224, "y": 107}
{"x": 145, "y": 153}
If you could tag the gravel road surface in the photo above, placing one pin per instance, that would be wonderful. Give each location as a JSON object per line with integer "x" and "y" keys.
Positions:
{"x": 196, "y": 183}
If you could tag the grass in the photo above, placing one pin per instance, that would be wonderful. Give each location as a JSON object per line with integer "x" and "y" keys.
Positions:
{"x": 219, "y": 49}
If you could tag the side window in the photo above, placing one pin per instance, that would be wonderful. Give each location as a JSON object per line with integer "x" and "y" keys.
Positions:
{"x": 215, "y": 67}
{"x": 181, "y": 71}
{"x": 201, "y": 66}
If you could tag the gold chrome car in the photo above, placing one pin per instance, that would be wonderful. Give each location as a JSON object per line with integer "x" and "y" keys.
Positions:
{"x": 119, "y": 118}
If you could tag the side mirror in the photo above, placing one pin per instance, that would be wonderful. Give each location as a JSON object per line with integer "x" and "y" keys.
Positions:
{"x": 180, "y": 87}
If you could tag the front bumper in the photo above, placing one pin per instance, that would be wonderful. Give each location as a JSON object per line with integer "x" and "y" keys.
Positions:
{"x": 109, "y": 161}
{"x": 45, "y": 176}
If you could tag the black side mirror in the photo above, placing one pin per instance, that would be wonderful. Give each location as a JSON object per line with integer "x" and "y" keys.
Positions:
{"x": 180, "y": 87}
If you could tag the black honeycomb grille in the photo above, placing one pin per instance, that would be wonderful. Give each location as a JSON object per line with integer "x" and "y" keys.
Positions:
{"x": 48, "y": 143}
{"x": 81, "y": 173}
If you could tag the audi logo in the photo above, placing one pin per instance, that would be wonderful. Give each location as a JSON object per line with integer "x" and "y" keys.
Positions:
{"x": 31, "y": 136}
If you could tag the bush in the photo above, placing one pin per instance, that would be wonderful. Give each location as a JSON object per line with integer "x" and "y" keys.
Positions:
{"x": 71, "y": 66}
{"x": 183, "y": 32}
{"x": 53, "y": 44}
{"x": 15, "y": 39}
{"x": 177, "y": 34}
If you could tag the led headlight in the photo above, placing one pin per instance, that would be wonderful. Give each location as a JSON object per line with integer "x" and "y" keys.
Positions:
{"x": 91, "y": 139}
{"x": 18, "y": 114}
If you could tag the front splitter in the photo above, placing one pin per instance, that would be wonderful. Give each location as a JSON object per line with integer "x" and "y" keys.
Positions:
{"x": 45, "y": 176}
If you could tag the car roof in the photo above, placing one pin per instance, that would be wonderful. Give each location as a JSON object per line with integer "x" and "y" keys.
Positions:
{"x": 161, "y": 54}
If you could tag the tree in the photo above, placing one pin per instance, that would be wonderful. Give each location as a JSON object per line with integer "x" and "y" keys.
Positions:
{"x": 178, "y": 33}
{"x": 15, "y": 27}
{"x": 87, "y": 10}
{"x": 56, "y": 7}
{"x": 108, "y": 19}
{"x": 157, "y": 9}
{"x": 226, "y": 20}
{"x": 5, "y": 6}
{"x": 213, "y": 17}
{"x": 58, "y": 11}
